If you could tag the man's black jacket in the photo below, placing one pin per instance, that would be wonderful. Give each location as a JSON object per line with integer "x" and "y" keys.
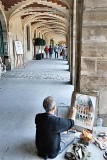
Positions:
{"x": 48, "y": 129}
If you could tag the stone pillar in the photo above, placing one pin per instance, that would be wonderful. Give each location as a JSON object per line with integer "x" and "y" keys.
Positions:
{"x": 71, "y": 49}
{"x": 73, "y": 43}
{"x": 68, "y": 45}
{"x": 77, "y": 31}
{"x": 79, "y": 16}
{"x": 8, "y": 39}
{"x": 93, "y": 78}
{"x": 23, "y": 44}
{"x": 10, "y": 50}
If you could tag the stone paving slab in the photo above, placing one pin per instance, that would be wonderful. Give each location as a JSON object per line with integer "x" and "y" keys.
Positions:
{"x": 21, "y": 99}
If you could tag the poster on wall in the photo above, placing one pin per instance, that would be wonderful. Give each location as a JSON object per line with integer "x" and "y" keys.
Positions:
{"x": 18, "y": 47}
{"x": 85, "y": 115}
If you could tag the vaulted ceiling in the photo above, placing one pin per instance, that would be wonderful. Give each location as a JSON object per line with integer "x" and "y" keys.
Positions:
{"x": 50, "y": 16}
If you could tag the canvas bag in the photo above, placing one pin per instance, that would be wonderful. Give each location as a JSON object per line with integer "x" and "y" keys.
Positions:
{"x": 77, "y": 152}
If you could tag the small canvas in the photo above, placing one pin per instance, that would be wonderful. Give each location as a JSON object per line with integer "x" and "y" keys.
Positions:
{"x": 85, "y": 115}
{"x": 62, "y": 111}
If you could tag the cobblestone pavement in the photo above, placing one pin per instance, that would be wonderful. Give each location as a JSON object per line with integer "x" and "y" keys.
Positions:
{"x": 40, "y": 70}
{"x": 38, "y": 75}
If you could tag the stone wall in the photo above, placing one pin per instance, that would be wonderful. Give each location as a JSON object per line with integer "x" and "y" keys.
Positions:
{"x": 93, "y": 77}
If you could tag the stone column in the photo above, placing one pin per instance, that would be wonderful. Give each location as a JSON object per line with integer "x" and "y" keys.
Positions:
{"x": 73, "y": 44}
{"x": 68, "y": 45}
{"x": 93, "y": 76}
{"x": 23, "y": 44}
{"x": 71, "y": 49}
{"x": 77, "y": 30}
{"x": 10, "y": 41}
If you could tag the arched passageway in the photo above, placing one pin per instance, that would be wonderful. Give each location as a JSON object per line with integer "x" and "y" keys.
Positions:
{"x": 80, "y": 24}
{"x": 48, "y": 19}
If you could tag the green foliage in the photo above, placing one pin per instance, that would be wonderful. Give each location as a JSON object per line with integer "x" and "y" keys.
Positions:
{"x": 39, "y": 42}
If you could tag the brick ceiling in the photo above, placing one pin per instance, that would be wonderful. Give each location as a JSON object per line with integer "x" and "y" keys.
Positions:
{"x": 35, "y": 4}
{"x": 10, "y": 3}
{"x": 58, "y": 3}
{"x": 48, "y": 10}
{"x": 33, "y": 8}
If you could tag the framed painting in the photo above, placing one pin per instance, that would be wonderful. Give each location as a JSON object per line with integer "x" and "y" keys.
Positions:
{"x": 85, "y": 115}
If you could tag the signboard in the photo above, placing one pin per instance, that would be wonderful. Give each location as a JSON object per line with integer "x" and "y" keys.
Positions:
{"x": 18, "y": 47}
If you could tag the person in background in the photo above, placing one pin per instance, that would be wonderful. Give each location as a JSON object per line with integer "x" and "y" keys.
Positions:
{"x": 64, "y": 52}
{"x": 56, "y": 50}
{"x": 49, "y": 141}
{"x": 50, "y": 51}
{"x": 46, "y": 51}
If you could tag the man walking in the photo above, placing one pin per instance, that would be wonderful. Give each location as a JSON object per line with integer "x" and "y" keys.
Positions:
{"x": 56, "y": 49}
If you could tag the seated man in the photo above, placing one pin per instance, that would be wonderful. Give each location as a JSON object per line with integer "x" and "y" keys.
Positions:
{"x": 49, "y": 128}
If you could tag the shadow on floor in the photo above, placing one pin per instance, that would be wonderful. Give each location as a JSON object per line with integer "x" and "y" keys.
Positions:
{"x": 68, "y": 82}
{"x": 28, "y": 149}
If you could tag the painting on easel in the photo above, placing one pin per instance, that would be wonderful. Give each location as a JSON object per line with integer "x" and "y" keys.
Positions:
{"x": 19, "y": 53}
{"x": 85, "y": 115}
{"x": 18, "y": 47}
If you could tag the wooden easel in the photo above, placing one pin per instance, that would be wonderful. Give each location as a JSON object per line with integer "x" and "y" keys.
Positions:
{"x": 19, "y": 60}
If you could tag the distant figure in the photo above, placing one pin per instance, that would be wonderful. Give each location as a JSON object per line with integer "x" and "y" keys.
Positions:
{"x": 50, "y": 51}
{"x": 49, "y": 140}
{"x": 56, "y": 50}
{"x": 46, "y": 51}
{"x": 64, "y": 54}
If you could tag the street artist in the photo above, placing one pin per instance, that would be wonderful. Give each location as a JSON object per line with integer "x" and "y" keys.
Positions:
{"x": 49, "y": 128}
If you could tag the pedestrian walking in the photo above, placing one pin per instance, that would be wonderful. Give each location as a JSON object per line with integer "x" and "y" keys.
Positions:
{"x": 46, "y": 51}
{"x": 50, "y": 51}
{"x": 64, "y": 53}
{"x": 56, "y": 50}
